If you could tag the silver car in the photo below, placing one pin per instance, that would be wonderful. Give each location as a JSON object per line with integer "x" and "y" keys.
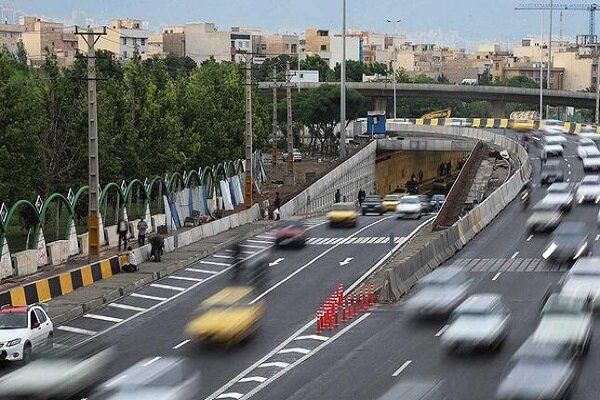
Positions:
{"x": 481, "y": 321}
{"x": 589, "y": 189}
{"x": 583, "y": 280}
{"x": 438, "y": 293}
{"x": 545, "y": 217}
{"x": 561, "y": 194}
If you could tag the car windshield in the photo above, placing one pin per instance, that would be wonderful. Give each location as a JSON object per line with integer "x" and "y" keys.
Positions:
{"x": 373, "y": 198}
{"x": 410, "y": 200}
{"x": 13, "y": 320}
{"x": 392, "y": 197}
{"x": 437, "y": 197}
{"x": 342, "y": 207}
{"x": 558, "y": 189}
{"x": 551, "y": 167}
{"x": 587, "y": 144}
{"x": 593, "y": 156}
{"x": 471, "y": 313}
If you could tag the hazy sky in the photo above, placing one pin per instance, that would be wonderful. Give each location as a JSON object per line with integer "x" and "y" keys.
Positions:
{"x": 459, "y": 22}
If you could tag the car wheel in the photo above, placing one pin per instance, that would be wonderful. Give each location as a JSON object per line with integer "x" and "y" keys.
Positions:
{"x": 26, "y": 353}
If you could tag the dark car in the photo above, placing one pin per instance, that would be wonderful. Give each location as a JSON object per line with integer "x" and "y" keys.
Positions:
{"x": 552, "y": 172}
{"x": 290, "y": 233}
{"x": 569, "y": 242}
{"x": 372, "y": 204}
{"x": 425, "y": 203}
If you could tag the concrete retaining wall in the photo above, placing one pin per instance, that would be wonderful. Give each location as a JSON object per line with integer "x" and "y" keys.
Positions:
{"x": 427, "y": 252}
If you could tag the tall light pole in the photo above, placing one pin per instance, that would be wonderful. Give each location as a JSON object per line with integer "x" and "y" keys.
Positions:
{"x": 248, "y": 143}
{"x": 542, "y": 67}
{"x": 343, "y": 86}
{"x": 549, "y": 73}
{"x": 394, "y": 61}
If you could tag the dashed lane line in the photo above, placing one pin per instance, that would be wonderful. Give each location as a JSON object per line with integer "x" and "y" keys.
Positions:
{"x": 515, "y": 254}
{"x": 102, "y": 318}
{"x": 167, "y": 287}
{"x": 221, "y": 256}
{"x": 184, "y": 278}
{"x": 181, "y": 344}
{"x": 529, "y": 238}
{"x": 145, "y": 296}
{"x": 202, "y": 271}
{"x": 496, "y": 276}
{"x": 441, "y": 331}
{"x": 152, "y": 361}
{"x": 126, "y": 307}
{"x": 402, "y": 368}
{"x": 72, "y": 329}
{"x": 298, "y": 350}
{"x": 220, "y": 264}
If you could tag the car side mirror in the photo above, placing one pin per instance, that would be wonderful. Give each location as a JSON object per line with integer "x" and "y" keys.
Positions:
{"x": 35, "y": 325}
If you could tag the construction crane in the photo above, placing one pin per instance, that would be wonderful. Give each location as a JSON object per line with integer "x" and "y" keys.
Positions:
{"x": 591, "y": 8}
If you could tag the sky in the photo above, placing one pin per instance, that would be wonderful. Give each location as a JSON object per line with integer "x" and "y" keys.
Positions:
{"x": 464, "y": 23}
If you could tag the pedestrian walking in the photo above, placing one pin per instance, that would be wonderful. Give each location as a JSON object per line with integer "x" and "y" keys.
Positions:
{"x": 142, "y": 228}
{"x": 420, "y": 176}
{"x": 337, "y": 196}
{"x": 122, "y": 232}
{"x": 441, "y": 169}
{"x": 361, "y": 196}
{"x": 448, "y": 168}
{"x": 413, "y": 177}
{"x": 276, "y": 205}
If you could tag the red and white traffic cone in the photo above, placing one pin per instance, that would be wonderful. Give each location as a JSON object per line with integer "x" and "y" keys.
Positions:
{"x": 344, "y": 318}
{"x": 361, "y": 300}
{"x": 354, "y": 305}
{"x": 319, "y": 322}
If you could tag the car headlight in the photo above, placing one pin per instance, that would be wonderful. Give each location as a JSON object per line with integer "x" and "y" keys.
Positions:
{"x": 13, "y": 342}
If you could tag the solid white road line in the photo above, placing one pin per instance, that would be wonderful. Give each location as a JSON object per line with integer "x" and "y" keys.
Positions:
{"x": 220, "y": 264}
{"x": 232, "y": 395}
{"x": 103, "y": 318}
{"x": 126, "y": 307}
{"x": 402, "y": 368}
{"x": 265, "y": 237}
{"x": 515, "y": 255}
{"x": 441, "y": 331}
{"x": 252, "y": 246}
{"x": 167, "y": 287}
{"x": 311, "y": 262}
{"x": 315, "y": 337}
{"x": 258, "y": 379}
{"x": 72, "y": 329}
{"x": 298, "y": 350}
{"x": 145, "y": 296}
{"x": 202, "y": 271}
{"x": 181, "y": 344}
{"x": 496, "y": 276}
{"x": 278, "y": 364}
{"x": 155, "y": 359}
{"x": 529, "y": 238}
{"x": 221, "y": 256}
{"x": 185, "y": 278}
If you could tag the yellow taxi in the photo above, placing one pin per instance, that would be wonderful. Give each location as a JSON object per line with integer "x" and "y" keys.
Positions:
{"x": 226, "y": 317}
{"x": 390, "y": 202}
{"x": 343, "y": 214}
{"x": 523, "y": 125}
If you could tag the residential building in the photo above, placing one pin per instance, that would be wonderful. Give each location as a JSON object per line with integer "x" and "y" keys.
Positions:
{"x": 316, "y": 41}
{"x": 40, "y": 37}
{"x": 173, "y": 39}
{"x": 203, "y": 41}
{"x": 124, "y": 37}
{"x": 155, "y": 46}
{"x": 10, "y": 35}
{"x": 241, "y": 43}
{"x": 508, "y": 68}
{"x": 353, "y": 50}
{"x": 276, "y": 44}
{"x": 579, "y": 72}
{"x": 304, "y": 76}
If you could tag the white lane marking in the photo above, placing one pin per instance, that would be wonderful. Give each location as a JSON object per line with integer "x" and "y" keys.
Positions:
{"x": 329, "y": 241}
{"x": 402, "y": 368}
{"x": 221, "y": 256}
{"x": 248, "y": 252}
{"x": 346, "y": 261}
{"x": 568, "y": 165}
{"x": 126, "y": 307}
{"x": 568, "y": 179}
{"x": 181, "y": 344}
{"x": 252, "y": 246}
{"x": 259, "y": 241}
{"x": 372, "y": 240}
{"x": 441, "y": 331}
{"x": 311, "y": 240}
{"x": 315, "y": 337}
{"x": 304, "y": 358}
{"x": 549, "y": 251}
{"x": 185, "y": 278}
{"x": 145, "y": 296}
{"x": 529, "y": 238}
{"x": 597, "y": 237}
{"x": 231, "y": 395}
{"x": 350, "y": 240}
{"x": 220, "y": 264}
{"x": 299, "y": 350}
{"x": 103, "y": 318}
{"x": 202, "y": 271}
{"x": 311, "y": 262}
{"x": 496, "y": 276}
{"x": 276, "y": 262}
{"x": 515, "y": 255}
{"x": 167, "y": 287}
{"x": 72, "y": 329}
{"x": 569, "y": 172}
{"x": 258, "y": 379}
{"x": 266, "y": 236}
{"x": 382, "y": 240}
{"x": 278, "y": 364}
{"x": 118, "y": 379}
{"x": 150, "y": 362}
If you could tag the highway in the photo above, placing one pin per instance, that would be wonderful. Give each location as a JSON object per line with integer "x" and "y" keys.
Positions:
{"x": 149, "y": 322}
{"x": 387, "y": 347}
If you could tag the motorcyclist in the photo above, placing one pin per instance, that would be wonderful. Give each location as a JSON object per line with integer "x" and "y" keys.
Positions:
{"x": 238, "y": 259}
{"x": 525, "y": 195}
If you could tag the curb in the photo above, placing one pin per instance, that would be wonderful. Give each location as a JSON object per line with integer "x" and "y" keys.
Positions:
{"x": 114, "y": 294}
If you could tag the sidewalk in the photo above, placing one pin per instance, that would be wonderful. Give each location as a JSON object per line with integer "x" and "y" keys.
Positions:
{"x": 87, "y": 298}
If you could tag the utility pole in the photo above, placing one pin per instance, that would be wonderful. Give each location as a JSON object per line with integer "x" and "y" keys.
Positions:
{"x": 275, "y": 124}
{"x": 597, "y": 85}
{"x": 290, "y": 179}
{"x": 542, "y": 68}
{"x": 343, "y": 86}
{"x": 549, "y": 73}
{"x": 91, "y": 37}
{"x": 248, "y": 180}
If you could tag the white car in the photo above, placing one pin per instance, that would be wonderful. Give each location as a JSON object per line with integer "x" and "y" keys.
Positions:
{"x": 480, "y": 321}
{"x": 586, "y": 146}
{"x": 554, "y": 127}
{"x": 583, "y": 280}
{"x": 553, "y": 150}
{"x": 559, "y": 194}
{"x": 23, "y": 331}
{"x": 409, "y": 207}
{"x": 591, "y": 162}
{"x": 589, "y": 189}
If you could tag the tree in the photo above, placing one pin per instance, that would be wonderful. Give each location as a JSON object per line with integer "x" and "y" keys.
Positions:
{"x": 517, "y": 81}
{"x": 316, "y": 63}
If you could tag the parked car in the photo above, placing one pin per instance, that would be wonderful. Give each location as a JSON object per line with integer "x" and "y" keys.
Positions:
{"x": 297, "y": 155}
{"x": 569, "y": 242}
{"x": 372, "y": 204}
{"x": 552, "y": 171}
{"x": 589, "y": 189}
{"x": 438, "y": 293}
{"x": 481, "y": 321}
{"x": 24, "y": 331}
{"x": 409, "y": 207}
{"x": 583, "y": 280}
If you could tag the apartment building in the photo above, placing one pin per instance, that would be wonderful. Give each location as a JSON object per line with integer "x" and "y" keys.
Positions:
{"x": 316, "y": 41}
{"x": 173, "y": 38}
{"x": 10, "y": 35}
{"x": 40, "y": 36}
{"x": 354, "y": 49}
{"x": 203, "y": 41}
{"x": 276, "y": 44}
{"x": 124, "y": 37}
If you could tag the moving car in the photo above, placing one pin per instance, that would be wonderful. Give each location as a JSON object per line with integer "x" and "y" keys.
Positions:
{"x": 167, "y": 378}
{"x": 416, "y": 390}
{"x": 539, "y": 372}
{"x": 566, "y": 321}
{"x": 560, "y": 194}
{"x": 553, "y": 150}
{"x": 553, "y": 127}
{"x": 583, "y": 280}
{"x": 343, "y": 214}
{"x": 409, "y": 207}
{"x": 372, "y": 204}
{"x": 437, "y": 201}
{"x": 552, "y": 172}
{"x": 481, "y": 321}
{"x": 290, "y": 233}
{"x": 569, "y": 242}
{"x": 24, "y": 330}
{"x": 523, "y": 125}
{"x": 226, "y": 317}
{"x": 545, "y": 217}
{"x": 438, "y": 293}
{"x": 425, "y": 203}
{"x": 589, "y": 189}
{"x": 586, "y": 146}
{"x": 591, "y": 162}
{"x": 390, "y": 202}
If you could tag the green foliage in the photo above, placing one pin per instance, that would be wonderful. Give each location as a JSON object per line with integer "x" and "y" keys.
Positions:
{"x": 316, "y": 63}
{"x": 517, "y": 81}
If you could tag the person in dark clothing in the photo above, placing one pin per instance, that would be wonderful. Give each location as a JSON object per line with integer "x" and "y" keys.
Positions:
{"x": 448, "y": 168}
{"x": 361, "y": 196}
{"x": 142, "y": 228}
{"x": 157, "y": 244}
{"x": 276, "y": 207}
{"x": 122, "y": 232}
{"x": 413, "y": 177}
{"x": 441, "y": 169}
{"x": 420, "y": 176}
{"x": 338, "y": 196}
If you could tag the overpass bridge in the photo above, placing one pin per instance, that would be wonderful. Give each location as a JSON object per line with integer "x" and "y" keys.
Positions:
{"x": 498, "y": 96}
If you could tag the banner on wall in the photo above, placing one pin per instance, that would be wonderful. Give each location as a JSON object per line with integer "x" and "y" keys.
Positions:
{"x": 101, "y": 229}
{"x": 227, "y": 204}
{"x": 5, "y": 262}
{"x": 237, "y": 187}
{"x": 41, "y": 249}
{"x": 234, "y": 199}
{"x": 148, "y": 218}
{"x": 73, "y": 243}
{"x": 181, "y": 203}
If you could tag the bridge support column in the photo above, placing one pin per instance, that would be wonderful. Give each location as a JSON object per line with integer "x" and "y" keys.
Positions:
{"x": 498, "y": 109}
{"x": 380, "y": 103}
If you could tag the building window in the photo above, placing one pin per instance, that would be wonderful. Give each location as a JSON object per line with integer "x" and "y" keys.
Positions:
{"x": 125, "y": 54}
{"x": 323, "y": 47}
{"x": 124, "y": 41}
{"x": 287, "y": 46}
{"x": 143, "y": 41}
{"x": 263, "y": 47}
{"x": 294, "y": 48}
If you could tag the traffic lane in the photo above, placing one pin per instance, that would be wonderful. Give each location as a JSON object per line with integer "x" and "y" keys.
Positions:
{"x": 361, "y": 363}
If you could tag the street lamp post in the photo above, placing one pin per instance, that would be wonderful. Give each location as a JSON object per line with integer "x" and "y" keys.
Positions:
{"x": 542, "y": 67}
{"x": 549, "y": 73}
{"x": 394, "y": 62}
{"x": 343, "y": 86}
